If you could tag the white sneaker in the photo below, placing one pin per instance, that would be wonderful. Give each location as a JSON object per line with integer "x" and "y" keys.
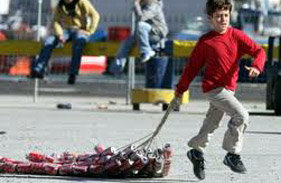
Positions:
{"x": 147, "y": 56}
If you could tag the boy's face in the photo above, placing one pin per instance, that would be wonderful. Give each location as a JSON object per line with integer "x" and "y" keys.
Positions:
{"x": 220, "y": 20}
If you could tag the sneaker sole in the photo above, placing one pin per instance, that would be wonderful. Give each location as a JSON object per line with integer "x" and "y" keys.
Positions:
{"x": 234, "y": 170}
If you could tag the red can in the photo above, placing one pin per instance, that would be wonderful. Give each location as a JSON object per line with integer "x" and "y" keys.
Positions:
{"x": 35, "y": 157}
{"x": 83, "y": 157}
{"x": 37, "y": 168}
{"x": 112, "y": 164}
{"x": 39, "y": 157}
{"x": 99, "y": 148}
{"x": 24, "y": 168}
{"x": 8, "y": 167}
{"x": 168, "y": 151}
{"x": 158, "y": 165}
{"x": 103, "y": 159}
{"x": 79, "y": 170}
{"x": 109, "y": 151}
{"x": 148, "y": 169}
{"x": 167, "y": 167}
{"x": 140, "y": 162}
{"x": 51, "y": 169}
{"x": 65, "y": 170}
{"x": 96, "y": 170}
{"x": 126, "y": 166}
{"x": 6, "y": 160}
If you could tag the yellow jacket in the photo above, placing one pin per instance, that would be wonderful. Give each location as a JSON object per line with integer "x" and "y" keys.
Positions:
{"x": 83, "y": 12}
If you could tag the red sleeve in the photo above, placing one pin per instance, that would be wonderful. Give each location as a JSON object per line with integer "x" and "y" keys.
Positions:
{"x": 251, "y": 48}
{"x": 193, "y": 66}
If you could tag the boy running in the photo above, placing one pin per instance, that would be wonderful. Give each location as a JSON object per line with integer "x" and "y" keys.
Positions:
{"x": 219, "y": 52}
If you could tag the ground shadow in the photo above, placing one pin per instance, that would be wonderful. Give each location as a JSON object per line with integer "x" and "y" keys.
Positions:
{"x": 262, "y": 132}
{"x": 266, "y": 113}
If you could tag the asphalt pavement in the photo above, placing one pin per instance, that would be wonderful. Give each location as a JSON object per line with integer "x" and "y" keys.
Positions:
{"x": 43, "y": 127}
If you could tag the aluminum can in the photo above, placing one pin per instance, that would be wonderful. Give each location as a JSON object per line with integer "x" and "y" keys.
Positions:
{"x": 168, "y": 151}
{"x": 95, "y": 170}
{"x": 39, "y": 157}
{"x": 103, "y": 159}
{"x": 65, "y": 170}
{"x": 158, "y": 165}
{"x": 111, "y": 165}
{"x": 109, "y": 151}
{"x": 79, "y": 170}
{"x": 24, "y": 168}
{"x": 37, "y": 168}
{"x": 51, "y": 169}
{"x": 126, "y": 166}
{"x": 8, "y": 167}
{"x": 139, "y": 162}
{"x": 167, "y": 167}
{"x": 99, "y": 148}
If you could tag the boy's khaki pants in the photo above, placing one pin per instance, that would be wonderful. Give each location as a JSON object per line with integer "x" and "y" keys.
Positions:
{"x": 223, "y": 101}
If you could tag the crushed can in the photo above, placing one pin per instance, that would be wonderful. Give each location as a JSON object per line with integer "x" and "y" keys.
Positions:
{"x": 79, "y": 170}
{"x": 139, "y": 162}
{"x": 168, "y": 151}
{"x": 65, "y": 170}
{"x": 8, "y": 167}
{"x": 99, "y": 148}
{"x": 39, "y": 157}
{"x": 158, "y": 166}
{"x": 95, "y": 170}
{"x": 167, "y": 167}
{"x": 112, "y": 166}
{"x": 37, "y": 168}
{"x": 125, "y": 167}
{"x": 51, "y": 169}
{"x": 110, "y": 151}
{"x": 103, "y": 159}
{"x": 24, "y": 168}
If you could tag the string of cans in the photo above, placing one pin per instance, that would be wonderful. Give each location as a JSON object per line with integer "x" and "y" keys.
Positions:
{"x": 129, "y": 161}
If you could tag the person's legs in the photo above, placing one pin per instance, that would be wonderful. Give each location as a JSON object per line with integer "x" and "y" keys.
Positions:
{"x": 201, "y": 140}
{"x": 233, "y": 139}
{"x": 143, "y": 32}
{"x": 40, "y": 64}
{"x": 78, "y": 43}
{"x": 226, "y": 101}
{"x": 118, "y": 64}
{"x": 210, "y": 124}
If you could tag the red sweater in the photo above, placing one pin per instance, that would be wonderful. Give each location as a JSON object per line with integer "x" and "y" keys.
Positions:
{"x": 220, "y": 55}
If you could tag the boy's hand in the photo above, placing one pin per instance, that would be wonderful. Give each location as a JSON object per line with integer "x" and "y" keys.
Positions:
{"x": 253, "y": 72}
{"x": 178, "y": 95}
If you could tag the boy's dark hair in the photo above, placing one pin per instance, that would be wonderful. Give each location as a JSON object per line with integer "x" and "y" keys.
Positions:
{"x": 213, "y": 5}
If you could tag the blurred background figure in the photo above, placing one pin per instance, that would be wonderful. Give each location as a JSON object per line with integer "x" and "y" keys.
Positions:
{"x": 74, "y": 20}
{"x": 149, "y": 30}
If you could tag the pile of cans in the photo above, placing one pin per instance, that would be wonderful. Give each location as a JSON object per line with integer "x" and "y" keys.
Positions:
{"x": 104, "y": 162}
